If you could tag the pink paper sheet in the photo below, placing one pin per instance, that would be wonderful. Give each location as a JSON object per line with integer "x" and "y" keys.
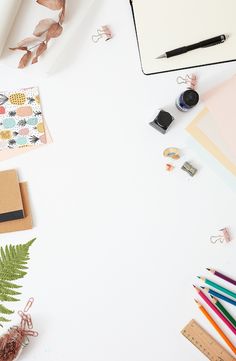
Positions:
{"x": 221, "y": 103}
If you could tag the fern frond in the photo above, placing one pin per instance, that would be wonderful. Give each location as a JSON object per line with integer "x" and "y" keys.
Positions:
{"x": 10, "y": 291}
{"x": 12, "y": 261}
{"x": 13, "y": 265}
{"x": 5, "y": 298}
{"x": 8, "y": 285}
{"x": 3, "y": 319}
{"x": 5, "y": 311}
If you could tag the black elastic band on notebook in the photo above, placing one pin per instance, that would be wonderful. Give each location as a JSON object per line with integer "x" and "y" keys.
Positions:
{"x": 11, "y": 216}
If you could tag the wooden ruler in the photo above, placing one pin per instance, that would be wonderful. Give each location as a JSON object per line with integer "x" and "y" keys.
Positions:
{"x": 205, "y": 343}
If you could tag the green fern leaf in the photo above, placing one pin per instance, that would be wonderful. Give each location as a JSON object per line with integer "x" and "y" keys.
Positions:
{"x": 13, "y": 266}
{"x": 5, "y": 298}
{"x": 8, "y": 285}
{"x": 12, "y": 260}
{"x": 5, "y": 311}
{"x": 3, "y": 319}
{"x": 9, "y": 291}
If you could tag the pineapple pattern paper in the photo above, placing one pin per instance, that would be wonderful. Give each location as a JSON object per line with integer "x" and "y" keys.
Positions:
{"x": 21, "y": 121}
{"x": 17, "y": 98}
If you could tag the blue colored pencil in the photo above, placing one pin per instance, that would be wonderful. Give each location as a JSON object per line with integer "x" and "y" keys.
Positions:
{"x": 219, "y": 295}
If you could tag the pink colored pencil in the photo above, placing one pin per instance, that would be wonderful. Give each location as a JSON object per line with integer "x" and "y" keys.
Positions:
{"x": 215, "y": 309}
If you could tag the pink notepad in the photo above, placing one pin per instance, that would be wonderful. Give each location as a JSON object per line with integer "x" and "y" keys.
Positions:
{"x": 215, "y": 126}
{"x": 221, "y": 103}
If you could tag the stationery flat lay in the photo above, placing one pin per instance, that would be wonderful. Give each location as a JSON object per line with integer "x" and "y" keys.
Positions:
{"x": 130, "y": 195}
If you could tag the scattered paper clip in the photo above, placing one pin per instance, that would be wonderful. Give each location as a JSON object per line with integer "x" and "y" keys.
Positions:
{"x": 224, "y": 236}
{"x": 103, "y": 33}
{"x": 189, "y": 80}
{"x": 32, "y": 333}
{"x": 24, "y": 320}
{"x": 29, "y": 322}
{"x": 29, "y": 304}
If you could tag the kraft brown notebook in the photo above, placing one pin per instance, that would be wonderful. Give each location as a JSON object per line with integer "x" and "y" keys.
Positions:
{"x": 11, "y": 206}
{"x": 24, "y": 223}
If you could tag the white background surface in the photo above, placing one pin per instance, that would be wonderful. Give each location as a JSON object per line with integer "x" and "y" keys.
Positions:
{"x": 119, "y": 240}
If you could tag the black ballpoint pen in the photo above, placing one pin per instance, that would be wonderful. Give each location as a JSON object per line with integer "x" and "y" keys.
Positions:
{"x": 202, "y": 44}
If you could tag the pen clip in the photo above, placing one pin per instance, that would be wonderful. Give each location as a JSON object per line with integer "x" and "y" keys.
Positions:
{"x": 209, "y": 45}
{"x": 217, "y": 40}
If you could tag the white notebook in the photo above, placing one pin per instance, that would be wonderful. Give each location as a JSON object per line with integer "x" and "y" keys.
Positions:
{"x": 164, "y": 25}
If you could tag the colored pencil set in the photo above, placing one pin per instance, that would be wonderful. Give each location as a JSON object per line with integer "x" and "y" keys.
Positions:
{"x": 216, "y": 306}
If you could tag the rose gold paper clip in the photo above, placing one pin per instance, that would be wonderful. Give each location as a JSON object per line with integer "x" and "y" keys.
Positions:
{"x": 103, "y": 33}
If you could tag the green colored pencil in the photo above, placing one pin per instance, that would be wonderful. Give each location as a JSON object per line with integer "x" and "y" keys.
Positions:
{"x": 223, "y": 311}
{"x": 218, "y": 287}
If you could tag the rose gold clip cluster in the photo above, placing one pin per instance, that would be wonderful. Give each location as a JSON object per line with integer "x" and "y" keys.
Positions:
{"x": 26, "y": 320}
{"x": 12, "y": 343}
{"x": 103, "y": 33}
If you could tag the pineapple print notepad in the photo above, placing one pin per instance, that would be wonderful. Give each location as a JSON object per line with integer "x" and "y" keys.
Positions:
{"x": 21, "y": 121}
